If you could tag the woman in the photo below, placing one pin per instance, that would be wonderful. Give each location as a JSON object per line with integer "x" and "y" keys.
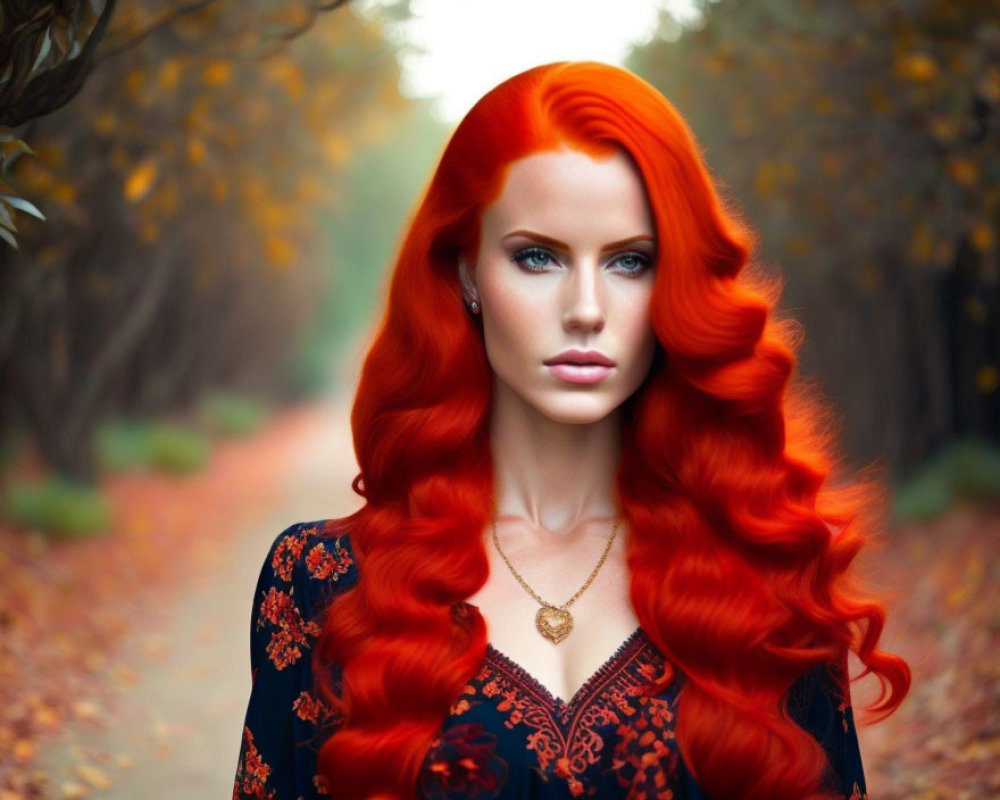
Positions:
{"x": 600, "y": 553}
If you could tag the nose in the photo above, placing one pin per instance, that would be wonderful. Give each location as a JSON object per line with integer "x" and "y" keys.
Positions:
{"x": 584, "y": 304}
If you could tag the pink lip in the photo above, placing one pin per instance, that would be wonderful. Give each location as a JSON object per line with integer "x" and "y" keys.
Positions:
{"x": 580, "y": 373}
{"x": 580, "y": 357}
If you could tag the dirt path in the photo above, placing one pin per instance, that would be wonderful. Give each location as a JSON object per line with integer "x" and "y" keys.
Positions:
{"x": 175, "y": 730}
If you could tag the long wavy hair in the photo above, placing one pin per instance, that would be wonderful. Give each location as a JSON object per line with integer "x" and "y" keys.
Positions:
{"x": 742, "y": 530}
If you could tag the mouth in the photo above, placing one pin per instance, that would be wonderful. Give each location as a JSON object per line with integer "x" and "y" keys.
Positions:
{"x": 575, "y": 358}
{"x": 573, "y": 372}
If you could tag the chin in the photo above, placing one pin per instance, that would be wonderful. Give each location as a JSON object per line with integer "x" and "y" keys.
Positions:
{"x": 578, "y": 411}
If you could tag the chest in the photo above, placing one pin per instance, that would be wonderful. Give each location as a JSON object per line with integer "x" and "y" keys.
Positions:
{"x": 602, "y": 618}
{"x": 508, "y": 737}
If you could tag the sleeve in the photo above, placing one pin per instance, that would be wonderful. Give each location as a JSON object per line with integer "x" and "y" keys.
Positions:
{"x": 820, "y": 703}
{"x": 285, "y": 721}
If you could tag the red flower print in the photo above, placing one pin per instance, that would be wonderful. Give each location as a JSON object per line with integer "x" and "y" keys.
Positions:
{"x": 312, "y": 709}
{"x": 323, "y": 564}
{"x": 286, "y": 553}
{"x": 251, "y": 772}
{"x": 463, "y": 765}
{"x": 279, "y": 609}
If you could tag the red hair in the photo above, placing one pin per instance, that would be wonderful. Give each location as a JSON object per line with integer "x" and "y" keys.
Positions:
{"x": 737, "y": 575}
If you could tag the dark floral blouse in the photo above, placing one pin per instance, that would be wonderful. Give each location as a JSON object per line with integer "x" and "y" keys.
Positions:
{"x": 507, "y": 736}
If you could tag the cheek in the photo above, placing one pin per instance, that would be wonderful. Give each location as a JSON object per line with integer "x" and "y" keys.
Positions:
{"x": 511, "y": 325}
{"x": 514, "y": 312}
{"x": 642, "y": 341}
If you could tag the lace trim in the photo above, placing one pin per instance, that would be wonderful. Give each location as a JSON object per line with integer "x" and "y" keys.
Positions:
{"x": 617, "y": 661}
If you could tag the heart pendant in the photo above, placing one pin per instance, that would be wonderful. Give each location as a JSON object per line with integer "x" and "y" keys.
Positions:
{"x": 553, "y": 623}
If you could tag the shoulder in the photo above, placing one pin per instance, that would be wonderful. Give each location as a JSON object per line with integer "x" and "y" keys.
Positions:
{"x": 305, "y": 566}
{"x": 308, "y": 552}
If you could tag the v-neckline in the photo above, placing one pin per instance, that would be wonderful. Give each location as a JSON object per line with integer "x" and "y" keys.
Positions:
{"x": 586, "y": 688}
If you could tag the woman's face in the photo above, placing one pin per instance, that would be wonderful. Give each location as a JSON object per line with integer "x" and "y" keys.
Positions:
{"x": 565, "y": 261}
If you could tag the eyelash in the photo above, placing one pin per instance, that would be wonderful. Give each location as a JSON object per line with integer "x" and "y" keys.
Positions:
{"x": 519, "y": 257}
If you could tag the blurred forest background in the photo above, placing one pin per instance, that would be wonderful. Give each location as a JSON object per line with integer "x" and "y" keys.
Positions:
{"x": 199, "y": 203}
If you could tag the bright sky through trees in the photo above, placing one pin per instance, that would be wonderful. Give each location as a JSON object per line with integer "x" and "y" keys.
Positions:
{"x": 457, "y": 50}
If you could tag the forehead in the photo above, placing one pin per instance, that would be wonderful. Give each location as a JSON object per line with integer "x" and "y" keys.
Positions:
{"x": 553, "y": 189}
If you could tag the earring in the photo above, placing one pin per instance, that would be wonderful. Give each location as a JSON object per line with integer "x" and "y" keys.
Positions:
{"x": 474, "y": 307}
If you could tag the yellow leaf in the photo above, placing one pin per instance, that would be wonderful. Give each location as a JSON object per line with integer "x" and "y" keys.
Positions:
{"x": 24, "y": 750}
{"x": 982, "y": 237}
{"x": 46, "y": 716}
{"x": 118, "y": 157}
{"x": 135, "y": 82}
{"x": 73, "y": 791}
{"x": 921, "y": 243}
{"x": 962, "y": 170}
{"x": 51, "y": 154}
{"x": 987, "y": 379}
{"x": 988, "y": 84}
{"x": 308, "y": 188}
{"x": 86, "y": 709}
{"x": 35, "y": 177}
{"x": 64, "y": 193}
{"x": 824, "y": 104}
{"x": 957, "y": 597}
{"x": 94, "y": 776}
{"x": 104, "y": 123}
{"x": 280, "y": 250}
{"x": 336, "y": 149}
{"x": 287, "y": 74}
{"x": 831, "y": 164}
{"x": 196, "y": 115}
{"x": 765, "y": 180}
{"x": 167, "y": 198}
{"x": 219, "y": 190}
{"x": 294, "y": 16}
{"x": 879, "y": 102}
{"x": 217, "y": 72}
{"x": 943, "y": 129}
{"x": 959, "y": 64}
{"x": 916, "y": 67}
{"x": 149, "y": 231}
{"x": 140, "y": 180}
{"x": 170, "y": 74}
{"x": 195, "y": 151}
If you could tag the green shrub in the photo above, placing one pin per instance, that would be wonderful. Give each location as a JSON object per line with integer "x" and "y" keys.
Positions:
{"x": 176, "y": 449}
{"x": 974, "y": 469}
{"x": 122, "y": 445}
{"x": 925, "y": 496}
{"x": 59, "y": 506}
{"x": 967, "y": 470}
{"x": 231, "y": 414}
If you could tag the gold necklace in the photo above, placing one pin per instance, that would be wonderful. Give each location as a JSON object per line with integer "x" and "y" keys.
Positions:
{"x": 554, "y": 622}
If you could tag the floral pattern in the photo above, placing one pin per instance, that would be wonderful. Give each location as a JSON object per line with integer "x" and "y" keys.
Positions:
{"x": 251, "y": 772}
{"x": 507, "y": 736}
{"x": 463, "y": 763}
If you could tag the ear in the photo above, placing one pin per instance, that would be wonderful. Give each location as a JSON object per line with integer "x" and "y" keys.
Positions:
{"x": 467, "y": 278}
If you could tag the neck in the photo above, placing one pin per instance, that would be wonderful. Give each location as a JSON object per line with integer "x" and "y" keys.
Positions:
{"x": 555, "y": 476}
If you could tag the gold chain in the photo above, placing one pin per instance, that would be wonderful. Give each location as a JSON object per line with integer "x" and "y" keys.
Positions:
{"x": 554, "y": 622}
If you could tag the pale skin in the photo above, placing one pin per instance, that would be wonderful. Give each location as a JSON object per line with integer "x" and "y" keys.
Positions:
{"x": 555, "y": 444}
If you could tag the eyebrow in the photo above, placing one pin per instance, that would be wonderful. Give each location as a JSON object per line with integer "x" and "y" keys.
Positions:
{"x": 644, "y": 237}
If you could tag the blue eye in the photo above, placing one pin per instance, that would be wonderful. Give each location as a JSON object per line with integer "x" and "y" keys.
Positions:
{"x": 640, "y": 261}
{"x": 522, "y": 256}
{"x": 535, "y": 259}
